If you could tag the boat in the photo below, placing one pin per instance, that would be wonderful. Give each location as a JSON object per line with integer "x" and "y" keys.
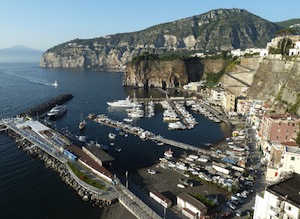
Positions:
{"x": 127, "y": 103}
{"x": 118, "y": 149}
{"x": 57, "y": 111}
{"x": 151, "y": 171}
{"x": 104, "y": 147}
{"x": 81, "y": 138}
{"x": 179, "y": 185}
{"x": 112, "y": 135}
{"x": 168, "y": 153}
{"x": 82, "y": 123}
{"x": 129, "y": 120}
{"x": 91, "y": 116}
{"x": 54, "y": 84}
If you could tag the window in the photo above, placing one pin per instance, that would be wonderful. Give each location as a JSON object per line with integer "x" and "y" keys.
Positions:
{"x": 289, "y": 208}
{"x": 292, "y": 158}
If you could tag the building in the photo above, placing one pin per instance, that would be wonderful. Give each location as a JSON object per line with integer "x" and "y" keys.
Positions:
{"x": 191, "y": 207}
{"x": 281, "y": 128}
{"x": 291, "y": 159}
{"x": 228, "y": 101}
{"x": 217, "y": 94}
{"x": 296, "y": 50}
{"x": 282, "y": 158}
{"x": 194, "y": 86}
{"x": 160, "y": 198}
{"x": 279, "y": 200}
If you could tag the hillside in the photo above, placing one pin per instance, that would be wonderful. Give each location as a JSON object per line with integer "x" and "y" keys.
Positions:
{"x": 292, "y": 23}
{"x": 216, "y": 30}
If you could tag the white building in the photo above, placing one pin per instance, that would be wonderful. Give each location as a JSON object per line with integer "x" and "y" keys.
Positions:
{"x": 194, "y": 86}
{"x": 280, "y": 200}
{"x": 191, "y": 207}
{"x": 217, "y": 94}
{"x": 296, "y": 50}
{"x": 291, "y": 160}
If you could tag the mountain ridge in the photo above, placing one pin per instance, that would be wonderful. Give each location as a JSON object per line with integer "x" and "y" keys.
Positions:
{"x": 20, "y": 53}
{"x": 216, "y": 30}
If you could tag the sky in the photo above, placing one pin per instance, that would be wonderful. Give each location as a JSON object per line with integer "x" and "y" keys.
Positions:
{"x": 42, "y": 24}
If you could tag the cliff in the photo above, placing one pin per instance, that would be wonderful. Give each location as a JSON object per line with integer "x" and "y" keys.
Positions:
{"x": 277, "y": 82}
{"x": 168, "y": 74}
{"x": 222, "y": 29}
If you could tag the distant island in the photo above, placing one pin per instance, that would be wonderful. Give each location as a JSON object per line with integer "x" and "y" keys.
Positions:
{"x": 20, "y": 53}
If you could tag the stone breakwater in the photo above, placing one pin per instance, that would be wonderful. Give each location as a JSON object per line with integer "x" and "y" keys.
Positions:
{"x": 46, "y": 106}
{"x": 61, "y": 168}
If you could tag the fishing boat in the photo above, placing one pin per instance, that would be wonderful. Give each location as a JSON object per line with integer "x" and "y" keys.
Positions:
{"x": 82, "y": 123}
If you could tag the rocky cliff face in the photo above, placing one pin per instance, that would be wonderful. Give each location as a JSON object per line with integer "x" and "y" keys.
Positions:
{"x": 221, "y": 29}
{"x": 168, "y": 74}
{"x": 277, "y": 82}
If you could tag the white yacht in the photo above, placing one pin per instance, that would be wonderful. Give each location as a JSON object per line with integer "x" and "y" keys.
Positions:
{"x": 127, "y": 103}
{"x": 57, "y": 111}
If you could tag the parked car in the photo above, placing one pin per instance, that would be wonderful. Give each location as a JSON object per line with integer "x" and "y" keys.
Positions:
{"x": 231, "y": 205}
{"x": 240, "y": 212}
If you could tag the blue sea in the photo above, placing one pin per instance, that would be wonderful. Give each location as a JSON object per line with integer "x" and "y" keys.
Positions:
{"x": 27, "y": 188}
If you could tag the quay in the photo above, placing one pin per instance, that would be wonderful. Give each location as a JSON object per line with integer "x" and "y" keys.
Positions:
{"x": 36, "y": 139}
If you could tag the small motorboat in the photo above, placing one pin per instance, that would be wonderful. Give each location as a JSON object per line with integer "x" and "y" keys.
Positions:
{"x": 111, "y": 135}
{"x": 54, "y": 84}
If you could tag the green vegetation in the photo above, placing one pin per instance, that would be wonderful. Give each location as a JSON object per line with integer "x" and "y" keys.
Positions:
{"x": 298, "y": 138}
{"x": 282, "y": 48}
{"x": 212, "y": 78}
{"x": 294, "y": 108}
{"x": 85, "y": 178}
{"x": 279, "y": 95}
{"x": 286, "y": 32}
{"x": 209, "y": 204}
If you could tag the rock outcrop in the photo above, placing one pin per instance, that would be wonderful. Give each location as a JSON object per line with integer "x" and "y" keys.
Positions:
{"x": 168, "y": 74}
{"x": 222, "y": 29}
{"x": 277, "y": 82}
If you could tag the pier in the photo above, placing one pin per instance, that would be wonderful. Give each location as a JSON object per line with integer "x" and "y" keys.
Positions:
{"x": 39, "y": 110}
{"x": 148, "y": 135}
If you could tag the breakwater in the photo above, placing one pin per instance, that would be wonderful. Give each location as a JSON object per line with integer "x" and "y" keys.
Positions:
{"x": 40, "y": 109}
{"x": 96, "y": 198}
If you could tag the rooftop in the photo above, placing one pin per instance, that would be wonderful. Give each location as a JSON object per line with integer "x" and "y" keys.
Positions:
{"x": 288, "y": 189}
{"x": 191, "y": 200}
{"x": 100, "y": 154}
{"x": 292, "y": 150}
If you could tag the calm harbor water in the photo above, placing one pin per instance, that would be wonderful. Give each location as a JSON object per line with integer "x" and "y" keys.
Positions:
{"x": 27, "y": 188}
